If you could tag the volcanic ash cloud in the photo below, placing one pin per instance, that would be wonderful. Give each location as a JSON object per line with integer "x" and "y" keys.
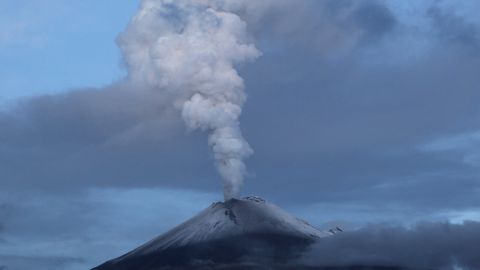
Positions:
{"x": 187, "y": 51}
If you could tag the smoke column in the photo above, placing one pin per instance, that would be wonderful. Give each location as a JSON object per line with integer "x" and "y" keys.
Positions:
{"x": 188, "y": 50}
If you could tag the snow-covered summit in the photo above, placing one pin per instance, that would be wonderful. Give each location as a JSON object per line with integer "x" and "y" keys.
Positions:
{"x": 225, "y": 232}
{"x": 232, "y": 218}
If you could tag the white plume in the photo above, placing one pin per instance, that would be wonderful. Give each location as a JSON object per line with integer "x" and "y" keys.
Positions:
{"x": 188, "y": 49}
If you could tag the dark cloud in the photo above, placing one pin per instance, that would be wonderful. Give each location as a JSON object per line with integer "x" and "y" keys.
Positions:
{"x": 81, "y": 117}
{"x": 426, "y": 246}
{"x": 331, "y": 27}
{"x": 453, "y": 28}
{"x": 346, "y": 128}
{"x": 375, "y": 19}
{"x": 81, "y": 138}
{"x": 322, "y": 128}
{"x": 5, "y": 211}
{"x": 35, "y": 262}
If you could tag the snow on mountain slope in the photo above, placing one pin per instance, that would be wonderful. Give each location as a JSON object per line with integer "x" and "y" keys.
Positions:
{"x": 232, "y": 218}
{"x": 235, "y": 231}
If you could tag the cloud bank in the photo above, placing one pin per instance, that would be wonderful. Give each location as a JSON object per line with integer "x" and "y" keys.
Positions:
{"x": 423, "y": 246}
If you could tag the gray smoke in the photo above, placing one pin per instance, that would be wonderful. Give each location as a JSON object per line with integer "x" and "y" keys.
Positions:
{"x": 187, "y": 50}
{"x": 424, "y": 246}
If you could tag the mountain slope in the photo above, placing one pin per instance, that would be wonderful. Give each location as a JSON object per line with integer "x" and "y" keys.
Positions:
{"x": 239, "y": 230}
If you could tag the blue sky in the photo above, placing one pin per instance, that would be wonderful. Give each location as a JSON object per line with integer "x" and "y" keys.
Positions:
{"x": 52, "y": 46}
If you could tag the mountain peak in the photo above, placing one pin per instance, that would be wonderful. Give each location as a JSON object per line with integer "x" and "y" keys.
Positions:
{"x": 228, "y": 231}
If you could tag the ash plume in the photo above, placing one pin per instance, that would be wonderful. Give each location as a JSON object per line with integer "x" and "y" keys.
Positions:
{"x": 187, "y": 50}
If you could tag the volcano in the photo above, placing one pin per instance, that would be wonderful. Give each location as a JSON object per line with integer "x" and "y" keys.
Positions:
{"x": 248, "y": 231}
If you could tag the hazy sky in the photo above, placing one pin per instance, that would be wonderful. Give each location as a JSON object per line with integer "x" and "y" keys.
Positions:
{"x": 358, "y": 112}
